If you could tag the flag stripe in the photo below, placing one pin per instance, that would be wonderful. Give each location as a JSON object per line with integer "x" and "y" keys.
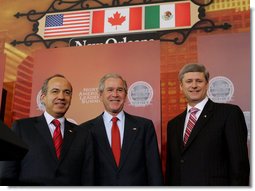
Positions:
{"x": 77, "y": 13}
{"x": 182, "y": 17}
{"x": 77, "y": 33}
{"x": 151, "y": 17}
{"x": 68, "y": 27}
{"x": 65, "y": 30}
{"x": 98, "y": 22}
{"x": 135, "y": 18}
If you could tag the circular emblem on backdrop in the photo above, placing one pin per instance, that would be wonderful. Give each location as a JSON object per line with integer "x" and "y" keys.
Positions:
{"x": 40, "y": 106}
{"x": 140, "y": 94}
{"x": 221, "y": 89}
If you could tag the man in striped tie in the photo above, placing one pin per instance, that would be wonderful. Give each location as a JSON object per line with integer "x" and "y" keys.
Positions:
{"x": 207, "y": 143}
{"x": 60, "y": 153}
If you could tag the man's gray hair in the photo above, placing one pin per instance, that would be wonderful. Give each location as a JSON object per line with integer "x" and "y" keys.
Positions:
{"x": 44, "y": 88}
{"x": 107, "y": 76}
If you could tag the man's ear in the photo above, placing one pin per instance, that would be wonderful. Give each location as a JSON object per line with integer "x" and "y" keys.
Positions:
{"x": 180, "y": 86}
{"x": 42, "y": 99}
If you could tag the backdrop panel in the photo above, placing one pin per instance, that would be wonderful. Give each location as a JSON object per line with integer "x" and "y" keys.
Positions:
{"x": 228, "y": 59}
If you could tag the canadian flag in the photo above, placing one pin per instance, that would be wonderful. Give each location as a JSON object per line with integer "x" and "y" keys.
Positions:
{"x": 117, "y": 20}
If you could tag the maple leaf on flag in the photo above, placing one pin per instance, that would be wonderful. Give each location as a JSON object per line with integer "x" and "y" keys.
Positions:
{"x": 116, "y": 19}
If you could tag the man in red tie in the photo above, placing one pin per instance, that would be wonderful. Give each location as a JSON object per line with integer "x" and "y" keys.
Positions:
{"x": 60, "y": 153}
{"x": 207, "y": 143}
{"x": 126, "y": 148}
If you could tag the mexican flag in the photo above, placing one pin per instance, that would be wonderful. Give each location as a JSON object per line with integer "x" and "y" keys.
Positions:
{"x": 167, "y": 15}
{"x": 117, "y": 20}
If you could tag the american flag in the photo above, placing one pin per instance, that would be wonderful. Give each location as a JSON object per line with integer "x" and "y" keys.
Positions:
{"x": 67, "y": 24}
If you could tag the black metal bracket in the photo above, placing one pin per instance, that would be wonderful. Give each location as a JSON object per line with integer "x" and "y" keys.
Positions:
{"x": 177, "y": 37}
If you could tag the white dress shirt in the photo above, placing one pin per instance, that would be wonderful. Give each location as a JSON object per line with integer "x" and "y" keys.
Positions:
{"x": 108, "y": 125}
{"x": 52, "y": 127}
{"x": 199, "y": 106}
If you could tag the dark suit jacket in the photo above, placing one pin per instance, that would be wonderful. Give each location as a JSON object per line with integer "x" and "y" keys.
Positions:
{"x": 216, "y": 152}
{"x": 40, "y": 165}
{"x": 140, "y": 162}
{"x": 11, "y": 146}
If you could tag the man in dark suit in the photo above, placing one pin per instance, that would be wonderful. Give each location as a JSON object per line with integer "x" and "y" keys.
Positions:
{"x": 42, "y": 165}
{"x": 213, "y": 151}
{"x": 137, "y": 162}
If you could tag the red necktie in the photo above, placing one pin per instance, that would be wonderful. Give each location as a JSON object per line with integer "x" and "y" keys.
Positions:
{"x": 116, "y": 140}
{"x": 57, "y": 137}
{"x": 191, "y": 123}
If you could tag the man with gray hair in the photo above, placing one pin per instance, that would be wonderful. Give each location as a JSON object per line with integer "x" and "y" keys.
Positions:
{"x": 59, "y": 152}
{"x": 125, "y": 146}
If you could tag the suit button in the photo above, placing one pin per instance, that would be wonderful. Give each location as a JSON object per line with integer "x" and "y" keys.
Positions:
{"x": 182, "y": 161}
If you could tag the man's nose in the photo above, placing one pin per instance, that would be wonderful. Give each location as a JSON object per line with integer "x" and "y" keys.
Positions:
{"x": 115, "y": 93}
{"x": 194, "y": 84}
{"x": 61, "y": 95}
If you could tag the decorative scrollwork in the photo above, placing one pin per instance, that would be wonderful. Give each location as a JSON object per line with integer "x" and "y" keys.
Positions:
{"x": 30, "y": 39}
{"x": 180, "y": 35}
{"x": 202, "y": 2}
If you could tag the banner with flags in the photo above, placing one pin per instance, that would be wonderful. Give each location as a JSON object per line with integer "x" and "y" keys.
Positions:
{"x": 119, "y": 20}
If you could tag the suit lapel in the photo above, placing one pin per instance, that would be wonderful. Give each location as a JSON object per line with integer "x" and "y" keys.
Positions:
{"x": 130, "y": 132}
{"x": 102, "y": 140}
{"x": 69, "y": 134}
{"x": 42, "y": 127}
{"x": 202, "y": 120}
{"x": 180, "y": 129}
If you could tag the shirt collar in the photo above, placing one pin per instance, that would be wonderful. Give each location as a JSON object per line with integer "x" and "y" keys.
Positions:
{"x": 200, "y": 105}
{"x": 108, "y": 117}
{"x": 49, "y": 118}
